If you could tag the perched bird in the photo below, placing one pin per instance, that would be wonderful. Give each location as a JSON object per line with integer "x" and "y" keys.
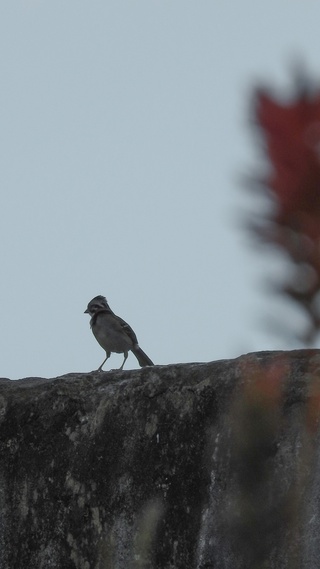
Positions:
{"x": 113, "y": 333}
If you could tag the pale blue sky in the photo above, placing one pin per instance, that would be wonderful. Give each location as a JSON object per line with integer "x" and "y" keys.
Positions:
{"x": 124, "y": 135}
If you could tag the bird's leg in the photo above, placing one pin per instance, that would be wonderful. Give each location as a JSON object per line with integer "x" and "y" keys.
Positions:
{"x": 124, "y": 361}
{"x": 108, "y": 354}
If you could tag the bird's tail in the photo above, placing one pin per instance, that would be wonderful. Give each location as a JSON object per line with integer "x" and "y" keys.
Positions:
{"x": 142, "y": 357}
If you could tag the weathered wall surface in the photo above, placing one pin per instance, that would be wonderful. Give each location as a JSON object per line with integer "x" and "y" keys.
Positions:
{"x": 154, "y": 468}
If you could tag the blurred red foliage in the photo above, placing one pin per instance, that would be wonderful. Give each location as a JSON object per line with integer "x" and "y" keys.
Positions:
{"x": 264, "y": 386}
{"x": 313, "y": 405}
{"x": 291, "y": 132}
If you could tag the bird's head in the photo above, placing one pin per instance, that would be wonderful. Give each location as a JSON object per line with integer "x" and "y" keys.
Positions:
{"x": 96, "y": 304}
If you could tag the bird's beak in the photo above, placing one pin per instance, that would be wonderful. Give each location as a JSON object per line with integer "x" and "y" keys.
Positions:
{"x": 86, "y": 312}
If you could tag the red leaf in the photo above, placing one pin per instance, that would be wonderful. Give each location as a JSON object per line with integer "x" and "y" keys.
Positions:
{"x": 292, "y": 135}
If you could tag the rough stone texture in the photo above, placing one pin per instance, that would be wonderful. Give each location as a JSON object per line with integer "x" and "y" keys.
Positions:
{"x": 147, "y": 469}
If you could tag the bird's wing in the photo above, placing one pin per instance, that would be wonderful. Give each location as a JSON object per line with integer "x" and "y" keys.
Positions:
{"x": 127, "y": 329}
{"x": 106, "y": 311}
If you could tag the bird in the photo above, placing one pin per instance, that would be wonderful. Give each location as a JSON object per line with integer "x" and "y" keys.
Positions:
{"x": 113, "y": 333}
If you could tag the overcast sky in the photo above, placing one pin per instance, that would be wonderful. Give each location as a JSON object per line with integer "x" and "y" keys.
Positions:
{"x": 125, "y": 133}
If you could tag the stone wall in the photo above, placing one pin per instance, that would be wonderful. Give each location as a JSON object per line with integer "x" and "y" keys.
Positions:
{"x": 184, "y": 466}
